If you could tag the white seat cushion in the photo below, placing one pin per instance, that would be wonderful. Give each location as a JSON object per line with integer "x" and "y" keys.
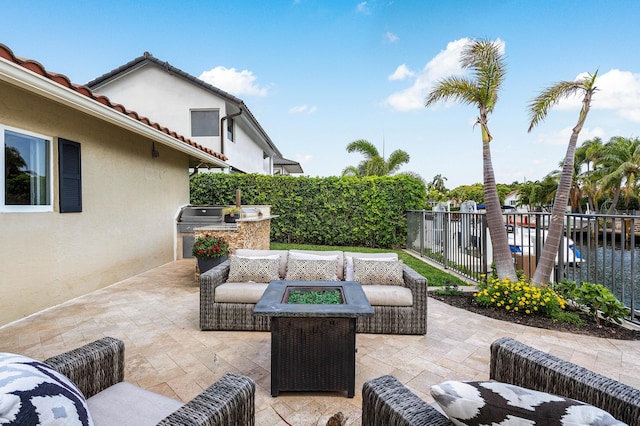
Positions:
{"x": 239, "y": 292}
{"x": 388, "y": 295}
{"x": 125, "y": 404}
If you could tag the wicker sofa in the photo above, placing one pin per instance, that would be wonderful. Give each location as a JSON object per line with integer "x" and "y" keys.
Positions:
{"x": 386, "y": 401}
{"x": 230, "y": 314}
{"x": 97, "y": 369}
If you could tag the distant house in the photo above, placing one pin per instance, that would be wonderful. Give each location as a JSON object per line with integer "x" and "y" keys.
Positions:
{"x": 210, "y": 116}
{"x": 89, "y": 190}
{"x": 512, "y": 200}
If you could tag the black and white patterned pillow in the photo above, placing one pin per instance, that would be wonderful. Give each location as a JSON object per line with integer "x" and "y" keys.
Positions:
{"x": 368, "y": 271}
{"x": 487, "y": 403}
{"x": 311, "y": 270}
{"x": 32, "y": 393}
{"x": 253, "y": 269}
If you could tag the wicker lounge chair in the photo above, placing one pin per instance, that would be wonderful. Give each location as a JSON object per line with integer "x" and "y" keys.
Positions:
{"x": 100, "y": 365}
{"x": 386, "y": 401}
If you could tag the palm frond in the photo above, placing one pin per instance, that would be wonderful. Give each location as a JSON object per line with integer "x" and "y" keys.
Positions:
{"x": 540, "y": 105}
{"x": 396, "y": 159}
{"x": 350, "y": 171}
{"x": 363, "y": 147}
{"x": 455, "y": 88}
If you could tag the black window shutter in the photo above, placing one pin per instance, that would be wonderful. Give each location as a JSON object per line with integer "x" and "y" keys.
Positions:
{"x": 70, "y": 176}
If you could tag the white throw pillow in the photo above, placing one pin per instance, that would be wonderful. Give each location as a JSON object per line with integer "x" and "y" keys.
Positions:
{"x": 295, "y": 255}
{"x": 348, "y": 264}
{"x": 311, "y": 270}
{"x": 32, "y": 393}
{"x": 253, "y": 269}
{"x": 369, "y": 271}
{"x": 473, "y": 403}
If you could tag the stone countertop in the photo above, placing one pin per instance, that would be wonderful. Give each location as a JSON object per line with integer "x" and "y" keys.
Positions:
{"x": 257, "y": 218}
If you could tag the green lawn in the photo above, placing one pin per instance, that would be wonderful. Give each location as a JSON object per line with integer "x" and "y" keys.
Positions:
{"x": 435, "y": 276}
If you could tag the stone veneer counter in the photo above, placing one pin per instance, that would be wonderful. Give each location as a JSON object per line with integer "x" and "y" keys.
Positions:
{"x": 250, "y": 233}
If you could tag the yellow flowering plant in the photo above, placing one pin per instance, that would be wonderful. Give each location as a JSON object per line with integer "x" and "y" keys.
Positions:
{"x": 519, "y": 297}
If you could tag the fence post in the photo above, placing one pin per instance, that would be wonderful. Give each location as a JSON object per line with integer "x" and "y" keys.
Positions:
{"x": 422, "y": 232}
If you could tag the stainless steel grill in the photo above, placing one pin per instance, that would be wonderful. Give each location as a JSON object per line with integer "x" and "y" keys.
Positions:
{"x": 191, "y": 217}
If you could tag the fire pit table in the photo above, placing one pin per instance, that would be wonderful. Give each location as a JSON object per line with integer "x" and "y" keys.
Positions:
{"x": 313, "y": 346}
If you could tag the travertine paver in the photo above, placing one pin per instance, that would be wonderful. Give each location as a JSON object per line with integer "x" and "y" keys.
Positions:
{"x": 156, "y": 314}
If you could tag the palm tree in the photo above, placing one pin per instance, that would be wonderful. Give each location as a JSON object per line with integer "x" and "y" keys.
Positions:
{"x": 437, "y": 183}
{"x": 590, "y": 154}
{"x": 538, "y": 109}
{"x": 621, "y": 170}
{"x": 374, "y": 164}
{"x": 486, "y": 61}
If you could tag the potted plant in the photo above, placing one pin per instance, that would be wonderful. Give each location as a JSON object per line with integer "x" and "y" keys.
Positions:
{"x": 231, "y": 214}
{"x": 210, "y": 251}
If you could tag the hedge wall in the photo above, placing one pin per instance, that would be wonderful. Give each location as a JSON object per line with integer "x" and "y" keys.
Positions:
{"x": 342, "y": 211}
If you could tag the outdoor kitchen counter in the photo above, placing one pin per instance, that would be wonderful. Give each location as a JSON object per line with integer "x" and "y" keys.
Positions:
{"x": 250, "y": 233}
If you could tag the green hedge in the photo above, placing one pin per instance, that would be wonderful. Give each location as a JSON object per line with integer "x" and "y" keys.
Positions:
{"x": 342, "y": 211}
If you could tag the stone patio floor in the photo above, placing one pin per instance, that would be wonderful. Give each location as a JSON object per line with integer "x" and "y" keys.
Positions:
{"x": 156, "y": 314}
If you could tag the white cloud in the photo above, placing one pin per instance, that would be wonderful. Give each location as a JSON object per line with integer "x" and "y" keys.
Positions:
{"x": 391, "y": 37}
{"x": 363, "y": 8}
{"x": 445, "y": 63}
{"x": 618, "y": 91}
{"x": 298, "y": 109}
{"x": 401, "y": 73}
{"x": 303, "y": 158}
{"x": 234, "y": 81}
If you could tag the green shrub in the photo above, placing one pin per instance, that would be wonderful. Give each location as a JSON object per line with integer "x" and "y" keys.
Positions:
{"x": 567, "y": 317}
{"x": 520, "y": 296}
{"x": 341, "y": 211}
{"x": 448, "y": 290}
{"x": 597, "y": 299}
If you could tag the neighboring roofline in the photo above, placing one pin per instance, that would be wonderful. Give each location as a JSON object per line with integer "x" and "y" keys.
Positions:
{"x": 33, "y": 77}
{"x": 289, "y": 165}
{"x": 149, "y": 58}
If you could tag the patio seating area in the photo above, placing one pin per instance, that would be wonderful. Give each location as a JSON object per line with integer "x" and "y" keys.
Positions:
{"x": 156, "y": 314}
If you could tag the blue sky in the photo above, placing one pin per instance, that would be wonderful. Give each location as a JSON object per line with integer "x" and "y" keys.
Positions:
{"x": 320, "y": 74}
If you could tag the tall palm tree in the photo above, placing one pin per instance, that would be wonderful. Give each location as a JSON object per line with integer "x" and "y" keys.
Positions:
{"x": 486, "y": 62}
{"x": 621, "y": 171}
{"x": 538, "y": 109}
{"x": 374, "y": 164}
{"x": 437, "y": 183}
{"x": 590, "y": 154}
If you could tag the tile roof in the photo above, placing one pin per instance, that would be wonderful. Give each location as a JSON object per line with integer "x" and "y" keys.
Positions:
{"x": 289, "y": 165}
{"x": 148, "y": 58}
{"x": 63, "y": 80}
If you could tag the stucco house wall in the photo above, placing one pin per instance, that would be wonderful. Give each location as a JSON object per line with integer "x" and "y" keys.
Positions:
{"x": 127, "y": 225}
{"x": 134, "y": 179}
{"x": 168, "y": 95}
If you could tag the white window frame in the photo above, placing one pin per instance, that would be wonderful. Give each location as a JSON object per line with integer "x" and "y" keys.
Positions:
{"x": 25, "y": 208}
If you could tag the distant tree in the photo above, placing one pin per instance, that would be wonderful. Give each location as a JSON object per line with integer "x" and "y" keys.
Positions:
{"x": 473, "y": 192}
{"x": 486, "y": 62}
{"x": 437, "y": 183}
{"x": 374, "y": 164}
{"x": 621, "y": 168}
{"x": 589, "y": 156}
{"x": 538, "y": 109}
